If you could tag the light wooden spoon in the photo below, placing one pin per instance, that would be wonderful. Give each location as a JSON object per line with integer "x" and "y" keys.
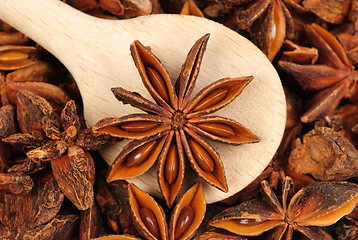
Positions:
{"x": 96, "y": 52}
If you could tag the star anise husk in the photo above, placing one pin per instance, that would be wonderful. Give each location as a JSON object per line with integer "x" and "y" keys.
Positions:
{"x": 39, "y": 207}
{"x": 36, "y": 78}
{"x": 350, "y": 44}
{"x": 118, "y": 8}
{"x": 211, "y": 235}
{"x": 8, "y": 37}
{"x": 268, "y": 22}
{"x": 331, "y": 11}
{"x": 117, "y": 237}
{"x": 174, "y": 127}
{"x": 190, "y": 8}
{"x": 113, "y": 201}
{"x": 346, "y": 118}
{"x": 13, "y": 57}
{"x": 318, "y": 204}
{"x": 58, "y": 140}
{"x": 91, "y": 224}
{"x": 185, "y": 219}
{"x": 299, "y": 54}
{"x": 338, "y": 161}
{"x": 15, "y": 183}
{"x": 333, "y": 76}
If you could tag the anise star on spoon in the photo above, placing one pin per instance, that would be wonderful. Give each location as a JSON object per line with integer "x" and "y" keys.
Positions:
{"x": 173, "y": 128}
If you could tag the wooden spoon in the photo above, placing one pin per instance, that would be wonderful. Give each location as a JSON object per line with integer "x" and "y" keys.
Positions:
{"x": 96, "y": 52}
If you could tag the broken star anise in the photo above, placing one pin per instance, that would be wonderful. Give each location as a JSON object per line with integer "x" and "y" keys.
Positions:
{"x": 174, "y": 128}
{"x": 318, "y": 204}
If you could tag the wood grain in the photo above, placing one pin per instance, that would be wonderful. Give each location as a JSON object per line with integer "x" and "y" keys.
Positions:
{"x": 96, "y": 52}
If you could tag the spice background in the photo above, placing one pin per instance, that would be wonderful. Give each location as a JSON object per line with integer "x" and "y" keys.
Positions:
{"x": 53, "y": 181}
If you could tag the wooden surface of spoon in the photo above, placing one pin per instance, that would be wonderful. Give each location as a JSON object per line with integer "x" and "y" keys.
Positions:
{"x": 96, "y": 52}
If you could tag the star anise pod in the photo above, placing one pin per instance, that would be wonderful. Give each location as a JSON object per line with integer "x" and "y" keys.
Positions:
{"x": 318, "y": 204}
{"x": 332, "y": 11}
{"x": 268, "y": 22}
{"x": 65, "y": 145}
{"x": 185, "y": 219}
{"x": 334, "y": 77}
{"x": 190, "y": 8}
{"x": 34, "y": 215}
{"x": 338, "y": 161}
{"x": 174, "y": 127}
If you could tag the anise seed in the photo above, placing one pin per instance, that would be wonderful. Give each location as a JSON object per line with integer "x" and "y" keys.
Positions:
{"x": 211, "y": 99}
{"x": 171, "y": 165}
{"x": 150, "y": 221}
{"x": 140, "y": 154}
{"x": 218, "y": 129}
{"x": 185, "y": 219}
{"x": 138, "y": 126}
{"x": 158, "y": 83}
{"x": 13, "y": 56}
{"x": 202, "y": 157}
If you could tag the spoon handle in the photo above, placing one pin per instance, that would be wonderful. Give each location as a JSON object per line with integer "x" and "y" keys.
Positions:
{"x": 47, "y": 22}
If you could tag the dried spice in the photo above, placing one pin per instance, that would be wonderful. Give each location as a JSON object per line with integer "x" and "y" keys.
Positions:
{"x": 150, "y": 219}
{"x": 350, "y": 44}
{"x": 91, "y": 224}
{"x": 39, "y": 209}
{"x": 268, "y": 22}
{"x": 318, "y": 204}
{"x": 215, "y": 235}
{"x": 331, "y": 129}
{"x": 331, "y": 11}
{"x": 190, "y": 8}
{"x": 175, "y": 124}
{"x": 36, "y": 79}
{"x": 113, "y": 201}
{"x": 338, "y": 161}
{"x": 15, "y": 183}
{"x": 14, "y": 57}
{"x": 334, "y": 77}
{"x": 58, "y": 139}
{"x": 117, "y": 237}
{"x": 119, "y": 8}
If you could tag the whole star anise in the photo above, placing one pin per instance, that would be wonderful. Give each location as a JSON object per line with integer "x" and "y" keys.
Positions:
{"x": 333, "y": 77}
{"x": 61, "y": 141}
{"x": 174, "y": 127}
{"x": 318, "y": 204}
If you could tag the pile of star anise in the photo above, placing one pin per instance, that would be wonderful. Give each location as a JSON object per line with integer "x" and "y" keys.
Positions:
{"x": 55, "y": 185}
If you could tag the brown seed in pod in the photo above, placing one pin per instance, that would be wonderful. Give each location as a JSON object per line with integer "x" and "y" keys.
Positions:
{"x": 116, "y": 237}
{"x": 14, "y": 57}
{"x": 149, "y": 217}
{"x": 185, "y": 220}
{"x": 136, "y": 158}
{"x": 188, "y": 213}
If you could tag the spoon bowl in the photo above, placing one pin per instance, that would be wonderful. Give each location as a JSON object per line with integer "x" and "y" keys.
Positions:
{"x": 96, "y": 52}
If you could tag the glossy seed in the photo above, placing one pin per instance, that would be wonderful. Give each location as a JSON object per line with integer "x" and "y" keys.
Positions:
{"x": 13, "y": 56}
{"x": 185, "y": 219}
{"x": 171, "y": 165}
{"x": 201, "y": 156}
{"x": 158, "y": 83}
{"x": 138, "y": 126}
{"x": 140, "y": 154}
{"x": 211, "y": 99}
{"x": 150, "y": 221}
{"x": 217, "y": 129}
